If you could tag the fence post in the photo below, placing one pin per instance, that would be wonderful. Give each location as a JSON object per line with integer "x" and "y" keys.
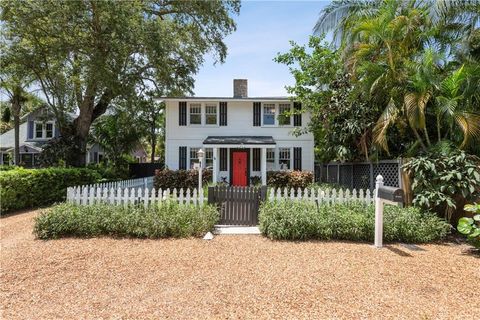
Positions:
{"x": 378, "y": 214}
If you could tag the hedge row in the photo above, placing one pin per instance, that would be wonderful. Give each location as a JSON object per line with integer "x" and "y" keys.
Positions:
{"x": 26, "y": 188}
{"x": 180, "y": 178}
{"x": 299, "y": 220}
{"x": 167, "y": 220}
{"x": 289, "y": 179}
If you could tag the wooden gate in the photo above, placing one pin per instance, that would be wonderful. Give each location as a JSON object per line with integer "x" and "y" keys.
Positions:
{"x": 238, "y": 205}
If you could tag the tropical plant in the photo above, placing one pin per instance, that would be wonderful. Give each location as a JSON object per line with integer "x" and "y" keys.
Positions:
{"x": 471, "y": 226}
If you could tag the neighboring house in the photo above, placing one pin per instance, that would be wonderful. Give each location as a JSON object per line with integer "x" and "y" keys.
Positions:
{"x": 242, "y": 137}
{"x": 36, "y": 129}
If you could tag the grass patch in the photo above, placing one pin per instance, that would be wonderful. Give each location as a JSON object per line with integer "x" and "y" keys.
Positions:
{"x": 164, "y": 221}
{"x": 300, "y": 220}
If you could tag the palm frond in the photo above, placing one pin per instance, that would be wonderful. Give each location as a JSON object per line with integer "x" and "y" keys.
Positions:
{"x": 388, "y": 117}
{"x": 469, "y": 123}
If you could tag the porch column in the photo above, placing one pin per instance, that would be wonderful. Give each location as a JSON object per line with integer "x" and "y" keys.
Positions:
{"x": 215, "y": 167}
{"x": 263, "y": 166}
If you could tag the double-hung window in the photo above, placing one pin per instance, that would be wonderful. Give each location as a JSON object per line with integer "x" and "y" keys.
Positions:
{"x": 284, "y": 118}
{"x": 270, "y": 159}
{"x": 49, "y": 130}
{"x": 210, "y": 114}
{"x": 195, "y": 114}
{"x": 269, "y": 114}
{"x": 38, "y": 130}
{"x": 284, "y": 158}
{"x": 193, "y": 156}
{"x": 208, "y": 157}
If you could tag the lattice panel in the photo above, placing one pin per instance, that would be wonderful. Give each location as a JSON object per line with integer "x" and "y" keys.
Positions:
{"x": 345, "y": 176}
{"x": 332, "y": 173}
{"x": 389, "y": 172}
{"x": 361, "y": 176}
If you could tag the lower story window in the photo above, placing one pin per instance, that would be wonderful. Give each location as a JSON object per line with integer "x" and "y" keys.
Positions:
{"x": 284, "y": 158}
{"x": 208, "y": 157}
{"x": 193, "y": 156}
{"x": 270, "y": 159}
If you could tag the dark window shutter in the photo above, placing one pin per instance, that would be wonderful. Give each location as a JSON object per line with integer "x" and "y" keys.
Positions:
{"x": 297, "y": 117}
{"x": 257, "y": 114}
{"x": 30, "y": 130}
{"x": 297, "y": 158}
{"x": 256, "y": 159}
{"x": 182, "y": 113}
{"x": 223, "y": 159}
{"x": 182, "y": 158}
{"x": 223, "y": 113}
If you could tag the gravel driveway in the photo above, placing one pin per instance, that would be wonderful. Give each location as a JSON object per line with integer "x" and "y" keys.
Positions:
{"x": 229, "y": 277}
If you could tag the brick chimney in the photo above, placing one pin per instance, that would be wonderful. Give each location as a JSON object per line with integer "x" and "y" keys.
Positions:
{"x": 240, "y": 88}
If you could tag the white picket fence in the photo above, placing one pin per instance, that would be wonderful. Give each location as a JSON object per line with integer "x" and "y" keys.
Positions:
{"x": 322, "y": 195}
{"x": 127, "y": 196}
{"x": 130, "y": 183}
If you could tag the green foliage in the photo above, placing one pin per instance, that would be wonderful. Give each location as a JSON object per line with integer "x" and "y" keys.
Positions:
{"x": 57, "y": 152}
{"x": 163, "y": 221}
{"x": 289, "y": 179}
{"x": 180, "y": 179}
{"x": 441, "y": 180}
{"x": 27, "y": 188}
{"x": 8, "y": 167}
{"x": 471, "y": 226}
{"x": 109, "y": 172}
{"x": 301, "y": 220}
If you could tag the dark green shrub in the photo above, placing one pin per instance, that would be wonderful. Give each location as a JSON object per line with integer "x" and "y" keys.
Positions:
{"x": 289, "y": 179}
{"x": 27, "y": 188}
{"x": 301, "y": 220}
{"x": 180, "y": 178}
{"x": 166, "y": 220}
{"x": 7, "y": 167}
{"x": 471, "y": 226}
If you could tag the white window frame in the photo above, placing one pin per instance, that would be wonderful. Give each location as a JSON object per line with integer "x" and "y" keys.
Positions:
{"x": 190, "y": 158}
{"x": 289, "y": 158}
{"x": 190, "y": 113}
{"x": 289, "y": 117}
{"x": 269, "y": 153}
{"x": 208, "y": 157}
{"x": 44, "y": 130}
{"x": 276, "y": 115}
{"x": 210, "y": 104}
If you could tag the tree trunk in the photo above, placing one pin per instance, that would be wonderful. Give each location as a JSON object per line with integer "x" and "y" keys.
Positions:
{"x": 16, "y": 120}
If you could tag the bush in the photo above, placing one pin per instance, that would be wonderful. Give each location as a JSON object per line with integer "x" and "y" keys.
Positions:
{"x": 471, "y": 226}
{"x": 166, "y": 220}
{"x": 301, "y": 220}
{"x": 289, "y": 179}
{"x": 27, "y": 188}
{"x": 180, "y": 178}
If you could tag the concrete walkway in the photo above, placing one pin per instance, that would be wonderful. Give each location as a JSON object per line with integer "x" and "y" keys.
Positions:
{"x": 221, "y": 229}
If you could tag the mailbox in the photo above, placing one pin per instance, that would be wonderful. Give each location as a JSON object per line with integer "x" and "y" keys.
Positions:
{"x": 391, "y": 194}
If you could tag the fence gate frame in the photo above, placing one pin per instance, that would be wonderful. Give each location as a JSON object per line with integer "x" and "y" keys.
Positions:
{"x": 237, "y": 205}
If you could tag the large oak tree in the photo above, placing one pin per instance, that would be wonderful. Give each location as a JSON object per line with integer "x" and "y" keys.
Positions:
{"x": 86, "y": 53}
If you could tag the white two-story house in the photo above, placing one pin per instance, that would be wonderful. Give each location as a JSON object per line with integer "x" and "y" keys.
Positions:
{"x": 242, "y": 137}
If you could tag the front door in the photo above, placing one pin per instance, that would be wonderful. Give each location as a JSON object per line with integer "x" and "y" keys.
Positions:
{"x": 240, "y": 168}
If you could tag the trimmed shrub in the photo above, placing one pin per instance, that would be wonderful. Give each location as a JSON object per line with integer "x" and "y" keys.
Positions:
{"x": 301, "y": 220}
{"x": 289, "y": 179}
{"x": 180, "y": 178}
{"x": 27, "y": 188}
{"x": 167, "y": 220}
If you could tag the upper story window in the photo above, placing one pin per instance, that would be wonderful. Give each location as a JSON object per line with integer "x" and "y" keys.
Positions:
{"x": 210, "y": 114}
{"x": 269, "y": 114}
{"x": 195, "y": 113}
{"x": 276, "y": 114}
{"x": 43, "y": 130}
{"x": 284, "y": 118}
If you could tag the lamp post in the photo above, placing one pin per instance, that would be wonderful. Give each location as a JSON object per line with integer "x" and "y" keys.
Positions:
{"x": 200, "y": 155}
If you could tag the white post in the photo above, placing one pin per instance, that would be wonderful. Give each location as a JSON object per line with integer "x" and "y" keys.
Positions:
{"x": 263, "y": 166}
{"x": 200, "y": 155}
{"x": 215, "y": 167}
{"x": 378, "y": 214}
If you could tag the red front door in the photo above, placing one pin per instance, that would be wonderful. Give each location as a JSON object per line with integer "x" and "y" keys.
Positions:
{"x": 239, "y": 168}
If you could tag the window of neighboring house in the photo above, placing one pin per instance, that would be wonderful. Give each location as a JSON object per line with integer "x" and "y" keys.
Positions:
{"x": 284, "y": 118}
{"x": 284, "y": 158}
{"x": 269, "y": 114}
{"x": 208, "y": 157}
{"x": 210, "y": 114}
{"x": 49, "y": 130}
{"x": 6, "y": 158}
{"x": 195, "y": 113}
{"x": 38, "y": 130}
{"x": 193, "y": 156}
{"x": 26, "y": 159}
{"x": 270, "y": 159}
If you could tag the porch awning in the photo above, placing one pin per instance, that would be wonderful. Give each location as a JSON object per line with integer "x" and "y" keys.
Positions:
{"x": 240, "y": 140}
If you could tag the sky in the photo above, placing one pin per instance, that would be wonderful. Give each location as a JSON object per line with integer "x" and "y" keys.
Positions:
{"x": 264, "y": 29}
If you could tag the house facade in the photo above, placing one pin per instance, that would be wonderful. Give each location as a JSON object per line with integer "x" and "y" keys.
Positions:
{"x": 36, "y": 129}
{"x": 242, "y": 137}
